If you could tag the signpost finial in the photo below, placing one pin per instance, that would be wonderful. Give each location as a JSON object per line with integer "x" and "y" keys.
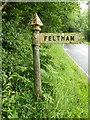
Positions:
{"x": 36, "y": 21}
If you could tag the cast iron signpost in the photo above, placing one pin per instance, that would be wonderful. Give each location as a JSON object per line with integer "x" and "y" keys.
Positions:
{"x": 36, "y": 23}
{"x": 58, "y": 38}
{"x": 39, "y": 38}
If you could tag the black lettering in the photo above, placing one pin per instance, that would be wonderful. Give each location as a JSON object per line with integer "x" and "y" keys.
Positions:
{"x": 58, "y": 38}
{"x": 45, "y": 37}
{"x": 49, "y": 38}
{"x": 71, "y": 37}
{"x": 62, "y": 38}
{"x": 67, "y": 38}
{"x": 54, "y": 38}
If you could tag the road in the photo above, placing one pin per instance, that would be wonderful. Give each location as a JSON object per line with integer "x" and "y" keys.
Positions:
{"x": 79, "y": 54}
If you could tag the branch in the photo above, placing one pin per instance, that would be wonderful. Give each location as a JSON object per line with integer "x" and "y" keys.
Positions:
{"x": 2, "y": 6}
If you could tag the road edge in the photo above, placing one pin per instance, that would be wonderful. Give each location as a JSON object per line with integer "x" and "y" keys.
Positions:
{"x": 76, "y": 64}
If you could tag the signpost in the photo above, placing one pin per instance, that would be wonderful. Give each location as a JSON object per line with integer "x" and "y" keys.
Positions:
{"x": 39, "y": 38}
{"x": 36, "y": 23}
{"x": 58, "y": 38}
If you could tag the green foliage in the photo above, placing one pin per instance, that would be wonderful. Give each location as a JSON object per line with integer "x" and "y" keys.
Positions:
{"x": 68, "y": 86}
{"x": 63, "y": 84}
{"x": 84, "y": 25}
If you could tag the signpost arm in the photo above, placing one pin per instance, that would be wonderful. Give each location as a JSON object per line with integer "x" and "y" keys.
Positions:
{"x": 36, "y": 23}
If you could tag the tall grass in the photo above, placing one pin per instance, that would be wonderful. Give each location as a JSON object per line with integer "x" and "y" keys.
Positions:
{"x": 66, "y": 87}
{"x": 64, "y": 90}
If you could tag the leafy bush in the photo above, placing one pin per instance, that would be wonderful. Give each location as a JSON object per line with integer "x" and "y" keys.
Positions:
{"x": 63, "y": 84}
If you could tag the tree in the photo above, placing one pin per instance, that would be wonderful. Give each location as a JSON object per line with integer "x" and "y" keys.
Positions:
{"x": 3, "y": 5}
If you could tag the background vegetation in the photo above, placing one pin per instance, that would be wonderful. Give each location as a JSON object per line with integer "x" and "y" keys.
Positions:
{"x": 64, "y": 86}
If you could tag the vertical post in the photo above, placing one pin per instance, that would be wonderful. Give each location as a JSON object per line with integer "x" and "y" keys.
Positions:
{"x": 36, "y": 23}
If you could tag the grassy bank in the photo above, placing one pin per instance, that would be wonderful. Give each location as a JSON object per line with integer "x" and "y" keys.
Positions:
{"x": 64, "y": 90}
{"x": 68, "y": 86}
{"x": 86, "y": 42}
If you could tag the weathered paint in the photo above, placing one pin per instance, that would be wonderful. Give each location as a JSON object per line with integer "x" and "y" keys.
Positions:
{"x": 39, "y": 38}
{"x": 37, "y": 77}
{"x": 36, "y": 20}
{"x": 36, "y": 23}
{"x": 59, "y": 37}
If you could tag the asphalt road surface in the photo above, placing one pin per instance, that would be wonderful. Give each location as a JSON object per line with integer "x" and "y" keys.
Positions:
{"x": 79, "y": 54}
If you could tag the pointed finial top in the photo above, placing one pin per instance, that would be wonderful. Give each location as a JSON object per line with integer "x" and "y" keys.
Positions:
{"x": 36, "y": 20}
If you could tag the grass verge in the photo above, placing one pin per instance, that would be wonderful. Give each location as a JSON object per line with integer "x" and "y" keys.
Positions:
{"x": 86, "y": 42}
{"x": 67, "y": 91}
{"x": 64, "y": 90}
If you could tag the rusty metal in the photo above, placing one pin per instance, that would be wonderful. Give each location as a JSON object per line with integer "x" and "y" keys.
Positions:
{"x": 37, "y": 77}
{"x": 36, "y": 23}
